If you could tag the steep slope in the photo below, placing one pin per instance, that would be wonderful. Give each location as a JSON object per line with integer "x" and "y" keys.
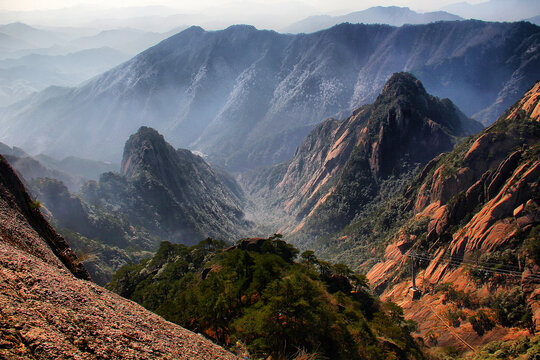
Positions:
{"x": 343, "y": 166}
{"x": 30, "y": 169}
{"x": 104, "y": 238}
{"x": 48, "y": 313}
{"x": 390, "y": 15}
{"x": 474, "y": 227}
{"x": 174, "y": 194}
{"x": 247, "y": 98}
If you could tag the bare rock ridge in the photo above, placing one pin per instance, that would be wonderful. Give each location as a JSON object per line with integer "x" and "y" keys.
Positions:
{"x": 342, "y": 165}
{"x": 477, "y": 203}
{"x": 48, "y": 313}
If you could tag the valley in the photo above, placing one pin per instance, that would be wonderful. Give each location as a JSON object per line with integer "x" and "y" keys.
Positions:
{"x": 359, "y": 191}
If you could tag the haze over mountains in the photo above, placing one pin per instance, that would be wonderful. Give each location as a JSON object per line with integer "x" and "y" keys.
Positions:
{"x": 391, "y": 15}
{"x": 363, "y": 145}
{"x": 246, "y": 97}
{"x": 32, "y": 59}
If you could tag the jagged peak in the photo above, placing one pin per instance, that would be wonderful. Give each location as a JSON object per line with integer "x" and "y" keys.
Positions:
{"x": 139, "y": 146}
{"x": 403, "y": 83}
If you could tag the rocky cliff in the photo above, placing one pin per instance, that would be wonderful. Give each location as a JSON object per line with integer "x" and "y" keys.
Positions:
{"x": 174, "y": 194}
{"x": 48, "y": 311}
{"x": 475, "y": 231}
{"x": 343, "y": 166}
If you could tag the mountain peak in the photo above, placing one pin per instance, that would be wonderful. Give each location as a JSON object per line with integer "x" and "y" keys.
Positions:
{"x": 142, "y": 148}
{"x": 403, "y": 83}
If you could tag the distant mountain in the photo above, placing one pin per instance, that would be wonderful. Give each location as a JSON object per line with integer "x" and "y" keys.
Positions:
{"x": 23, "y": 76}
{"x": 343, "y": 167}
{"x": 32, "y": 36}
{"x": 88, "y": 169}
{"x": 12, "y": 151}
{"x": 72, "y": 171}
{"x": 173, "y": 194}
{"x": 391, "y": 15}
{"x": 50, "y": 310}
{"x": 496, "y": 10}
{"x": 534, "y": 20}
{"x": 129, "y": 41}
{"x": 30, "y": 169}
{"x": 10, "y": 43}
{"x": 247, "y": 98}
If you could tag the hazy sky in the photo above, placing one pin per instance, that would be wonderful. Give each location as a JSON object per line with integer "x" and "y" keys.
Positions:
{"x": 321, "y": 5}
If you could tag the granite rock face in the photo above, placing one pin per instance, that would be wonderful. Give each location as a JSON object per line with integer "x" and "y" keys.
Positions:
{"x": 48, "y": 310}
{"x": 478, "y": 202}
{"x": 340, "y": 166}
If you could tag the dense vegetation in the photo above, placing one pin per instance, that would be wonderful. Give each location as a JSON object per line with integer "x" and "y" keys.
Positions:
{"x": 257, "y": 293}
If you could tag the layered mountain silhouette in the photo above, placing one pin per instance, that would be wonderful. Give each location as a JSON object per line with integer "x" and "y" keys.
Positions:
{"x": 495, "y": 10}
{"x": 72, "y": 171}
{"x": 343, "y": 166}
{"x": 391, "y": 15}
{"x": 48, "y": 308}
{"x": 247, "y": 98}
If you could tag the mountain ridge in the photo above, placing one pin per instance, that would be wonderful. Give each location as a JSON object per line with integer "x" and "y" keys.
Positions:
{"x": 474, "y": 223}
{"x": 346, "y": 163}
{"x": 256, "y": 94}
{"x": 391, "y": 15}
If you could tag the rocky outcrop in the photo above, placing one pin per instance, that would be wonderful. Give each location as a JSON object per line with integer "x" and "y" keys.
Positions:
{"x": 46, "y": 312}
{"x": 174, "y": 194}
{"x": 340, "y": 166}
{"x": 480, "y": 199}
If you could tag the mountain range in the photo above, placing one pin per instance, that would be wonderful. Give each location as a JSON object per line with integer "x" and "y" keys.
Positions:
{"x": 246, "y": 98}
{"x": 32, "y": 59}
{"x": 495, "y": 10}
{"x": 390, "y": 15}
{"x": 376, "y": 191}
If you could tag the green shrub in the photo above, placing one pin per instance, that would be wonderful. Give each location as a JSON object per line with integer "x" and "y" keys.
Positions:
{"x": 481, "y": 322}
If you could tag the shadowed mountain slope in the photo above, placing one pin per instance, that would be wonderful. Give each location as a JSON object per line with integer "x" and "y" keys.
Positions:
{"x": 174, "y": 194}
